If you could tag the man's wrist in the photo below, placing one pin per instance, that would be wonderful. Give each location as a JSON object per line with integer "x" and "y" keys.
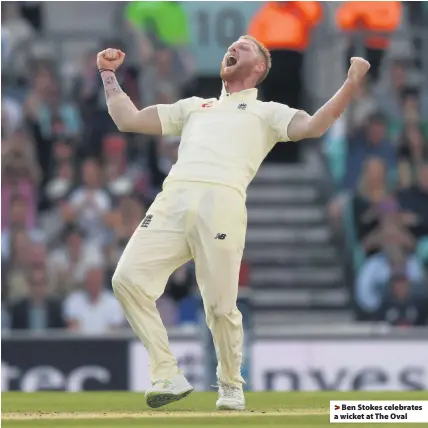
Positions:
{"x": 351, "y": 83}
{"x": 107, "y": 71}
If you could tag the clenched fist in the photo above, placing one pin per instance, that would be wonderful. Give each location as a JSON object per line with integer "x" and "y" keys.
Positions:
{"x": 110, "y": 59}
{"x": 358, "y": 69}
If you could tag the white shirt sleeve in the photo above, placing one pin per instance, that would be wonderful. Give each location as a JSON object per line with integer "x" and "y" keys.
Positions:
{"x": 173, "y": 116}
{"x": 103, "y": 201}
{"x": 71, "y": 307}
{"x": 280, "y": 118}
{"x": 75, "y": 198}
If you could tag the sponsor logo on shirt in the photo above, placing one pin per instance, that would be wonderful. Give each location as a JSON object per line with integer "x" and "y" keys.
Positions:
{"x": 242, "y": 106}
{"x": 207, "y": 105}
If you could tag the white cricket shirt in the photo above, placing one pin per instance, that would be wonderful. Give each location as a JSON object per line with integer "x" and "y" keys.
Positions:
{"x": 224, "y": 140}
{"x": 93, "y": 317}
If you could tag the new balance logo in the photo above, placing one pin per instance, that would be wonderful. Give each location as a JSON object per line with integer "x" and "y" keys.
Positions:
{"x": 220, "y": 236}
{"x": 146, "y": 221}
{"x": 242, "y": 106}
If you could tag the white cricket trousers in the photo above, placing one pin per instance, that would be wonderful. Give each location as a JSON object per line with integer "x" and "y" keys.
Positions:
{"x": 206, "y": 222}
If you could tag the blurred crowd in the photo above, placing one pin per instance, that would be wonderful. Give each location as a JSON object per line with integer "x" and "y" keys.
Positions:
{"x": 73, "y": 189}
{"x": 377, "y": 151}
{"x": 378, "y": 155}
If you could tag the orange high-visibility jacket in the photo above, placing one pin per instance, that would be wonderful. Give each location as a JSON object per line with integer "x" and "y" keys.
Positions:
{"x": 285, "y": 25}
{"x": 382, "y": 16}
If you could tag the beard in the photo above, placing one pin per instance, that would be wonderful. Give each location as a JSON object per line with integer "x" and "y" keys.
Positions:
{"x": 230, "y": 73}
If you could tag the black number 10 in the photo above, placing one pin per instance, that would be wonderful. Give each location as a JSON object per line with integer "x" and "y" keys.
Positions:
{"x": 225, "y": 27}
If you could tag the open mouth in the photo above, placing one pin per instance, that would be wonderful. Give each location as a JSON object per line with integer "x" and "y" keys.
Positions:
{"x": 231, "y": 61}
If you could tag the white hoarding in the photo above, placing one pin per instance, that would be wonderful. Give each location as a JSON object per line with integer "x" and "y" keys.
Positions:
{"x": 339, "y": 365}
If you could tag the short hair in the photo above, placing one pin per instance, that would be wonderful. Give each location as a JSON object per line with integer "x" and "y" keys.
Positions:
{"x": 72, "y": 229}
{"x": 398, "y": 63}
{"x": 17, "y": 198}
{"x": 409, "y": 92}
{"x": 377, "y": 117}
{"x": 265, "y": 54}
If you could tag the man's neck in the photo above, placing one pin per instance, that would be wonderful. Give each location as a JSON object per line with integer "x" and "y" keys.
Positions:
{"x": 376, "y": 193}
{"x": 94, "y": 297}
{"x": 74, "y": 255}
{"x": 237, "y": 86}
{"x": 38, "y": 301}
{"x": 17, "y": 226}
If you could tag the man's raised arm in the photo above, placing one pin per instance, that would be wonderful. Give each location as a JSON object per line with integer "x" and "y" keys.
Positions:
{"x": 305, "y": 126}
{"x": 120, "y": 107}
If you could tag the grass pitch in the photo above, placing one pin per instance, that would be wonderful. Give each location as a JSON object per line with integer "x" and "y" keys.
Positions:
{"x": 129, "y": 410}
